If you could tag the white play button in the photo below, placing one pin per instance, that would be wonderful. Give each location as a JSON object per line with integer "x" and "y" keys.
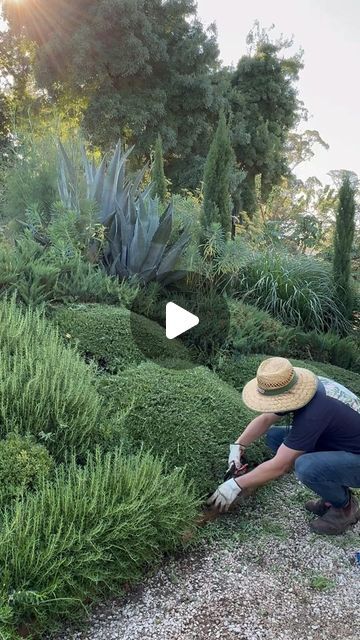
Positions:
{"x": 178, "y": 320}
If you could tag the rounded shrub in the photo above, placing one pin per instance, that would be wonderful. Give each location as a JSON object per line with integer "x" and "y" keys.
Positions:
{"x": 104, "y": 334}
{"x": 88, "y": 533}
{"x": 191, "y": 416}
{"x": 46, "y": 389}
{"x": 24, "y": 465}
{"x": 238, "y": 371}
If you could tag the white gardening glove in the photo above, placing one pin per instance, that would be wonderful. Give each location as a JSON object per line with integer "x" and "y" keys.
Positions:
{"x": 224, "y": 496}
{"x": 235, "y": 456}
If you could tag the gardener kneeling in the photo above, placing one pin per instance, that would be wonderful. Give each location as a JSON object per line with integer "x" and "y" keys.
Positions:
{"x": 323, "y": 442}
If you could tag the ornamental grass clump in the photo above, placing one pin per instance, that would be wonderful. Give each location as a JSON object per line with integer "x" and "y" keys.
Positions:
{"x": 298, "y": 290}
{"x": 88, "y": 533}
{"x": 46, "y": 389}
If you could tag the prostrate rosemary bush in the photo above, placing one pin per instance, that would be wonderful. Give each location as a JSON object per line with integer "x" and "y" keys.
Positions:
{"x": 189, "y": 415}
{"x": 24, "y": 464}
{"x": 298, "y": 290}
{"x": 325, "y": 347}
{"x": 87, "y": 534}
{"x": 238, "y": 371}
{"x": 255, "y": 331}
{"x": 104, "y": 334}
{"x": 46, "y": 389}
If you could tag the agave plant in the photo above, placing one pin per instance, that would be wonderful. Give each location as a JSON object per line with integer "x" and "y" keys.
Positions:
{"x": 137, "y": 237}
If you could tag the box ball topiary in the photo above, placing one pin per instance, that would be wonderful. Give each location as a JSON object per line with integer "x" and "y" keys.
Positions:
{"x": 104, "y": 334}
{"x": 191, "y": 416}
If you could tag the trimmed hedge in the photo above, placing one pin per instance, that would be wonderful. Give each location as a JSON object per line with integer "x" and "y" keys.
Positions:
{"x": 103, "y": 334}
{"x": 46, "y": 389}
{"x": 191, "y": 416}
{"x": 238, "y": 371}
{"x": 88, "y": 533}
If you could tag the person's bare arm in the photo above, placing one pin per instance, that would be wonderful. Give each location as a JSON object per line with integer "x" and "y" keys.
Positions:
{"x": 280, "y": 464}
{"x": 257, "y": 428}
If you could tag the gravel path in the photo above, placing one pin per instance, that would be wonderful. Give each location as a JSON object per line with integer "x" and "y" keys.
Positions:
{"x": 259, "y": 575}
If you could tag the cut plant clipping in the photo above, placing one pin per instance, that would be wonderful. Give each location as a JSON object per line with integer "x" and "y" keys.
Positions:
{"x": 171, "y": 217}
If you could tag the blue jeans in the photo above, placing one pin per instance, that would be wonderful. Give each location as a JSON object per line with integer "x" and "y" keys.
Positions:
{"x": 327, "y": 473}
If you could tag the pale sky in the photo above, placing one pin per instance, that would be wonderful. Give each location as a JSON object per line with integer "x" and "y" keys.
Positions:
{"x": 329, "y": 33}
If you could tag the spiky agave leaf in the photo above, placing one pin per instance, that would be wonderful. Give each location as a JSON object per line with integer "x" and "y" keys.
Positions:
{"x": 137, "y": 238}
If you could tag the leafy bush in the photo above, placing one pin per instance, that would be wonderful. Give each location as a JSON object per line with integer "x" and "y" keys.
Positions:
{"x": 298, "y": 290}
{"x": 104, "y": 334}
{"x": 328, "y": 348}
{"x": 255, "y": 331}
{"x": 190, "y": 415}
{"x": 45, "y": 388}
{"x": 40, "y": 275}
{"x": 23, "y": 466}
{"x": 187, "y": 213}
{"x": 31, "y": 178}
{"x": 238, "y": 371}
{"x": 87, "y": 534}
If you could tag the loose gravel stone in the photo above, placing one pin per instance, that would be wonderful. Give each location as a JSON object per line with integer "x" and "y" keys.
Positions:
{"x": 265, "y": 588}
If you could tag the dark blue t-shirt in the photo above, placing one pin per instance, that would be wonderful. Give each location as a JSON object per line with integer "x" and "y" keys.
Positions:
{"x": 330, "y": 422}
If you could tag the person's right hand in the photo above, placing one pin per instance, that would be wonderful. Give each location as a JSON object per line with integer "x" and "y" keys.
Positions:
{"x": 235, "y": 456}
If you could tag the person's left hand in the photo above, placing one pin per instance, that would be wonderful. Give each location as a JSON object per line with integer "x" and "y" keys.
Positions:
{"x": 224, "y": 496}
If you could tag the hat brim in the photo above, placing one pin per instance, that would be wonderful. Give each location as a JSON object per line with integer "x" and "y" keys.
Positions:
{"x": 299, "y": 396}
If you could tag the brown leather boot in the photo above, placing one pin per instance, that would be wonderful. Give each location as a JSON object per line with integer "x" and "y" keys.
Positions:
{"x": 336, "y": 521}
{"x": 316, "y": 506}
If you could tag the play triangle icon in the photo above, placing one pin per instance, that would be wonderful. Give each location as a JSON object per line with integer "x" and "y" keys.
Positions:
{"x": 178, "y": 320}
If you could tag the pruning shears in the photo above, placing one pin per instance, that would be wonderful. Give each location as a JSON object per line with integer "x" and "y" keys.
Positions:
{"x": 233, "y": 472}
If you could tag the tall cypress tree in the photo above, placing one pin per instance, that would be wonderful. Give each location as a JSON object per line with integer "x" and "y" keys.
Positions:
{"x": 158, "y": 173}
{"x": 343, "y": 241}
{"x": 217, "y": 176}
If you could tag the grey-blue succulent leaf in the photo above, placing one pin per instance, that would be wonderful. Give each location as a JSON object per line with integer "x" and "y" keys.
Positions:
{"x": 159, "y": 242}
{"x": 172, "y": 255}
{"x": 138, "y": 248}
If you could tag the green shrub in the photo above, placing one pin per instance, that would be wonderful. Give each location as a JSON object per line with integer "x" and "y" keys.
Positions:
{"x": 41, "y": 275}
{"x": 23, "y": 466}
{"x": 255, "y": 331}
{"x": 104, "y": 334}
{"x": 45, "y": 388}
{"x": 238, "y": 371}
{"x": 190, "y": 416}
{"x": 324, "y": 347}
{"x": 31, "y": 178}
{"x": 87, "y": 534}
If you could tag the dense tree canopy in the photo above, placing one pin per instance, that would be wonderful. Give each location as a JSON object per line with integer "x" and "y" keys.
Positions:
{"x": 144, "y": 68}
{"x": 265, "y": 107}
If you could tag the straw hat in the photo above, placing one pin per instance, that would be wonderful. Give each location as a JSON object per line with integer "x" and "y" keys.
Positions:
{"x": 279, "y": 387}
